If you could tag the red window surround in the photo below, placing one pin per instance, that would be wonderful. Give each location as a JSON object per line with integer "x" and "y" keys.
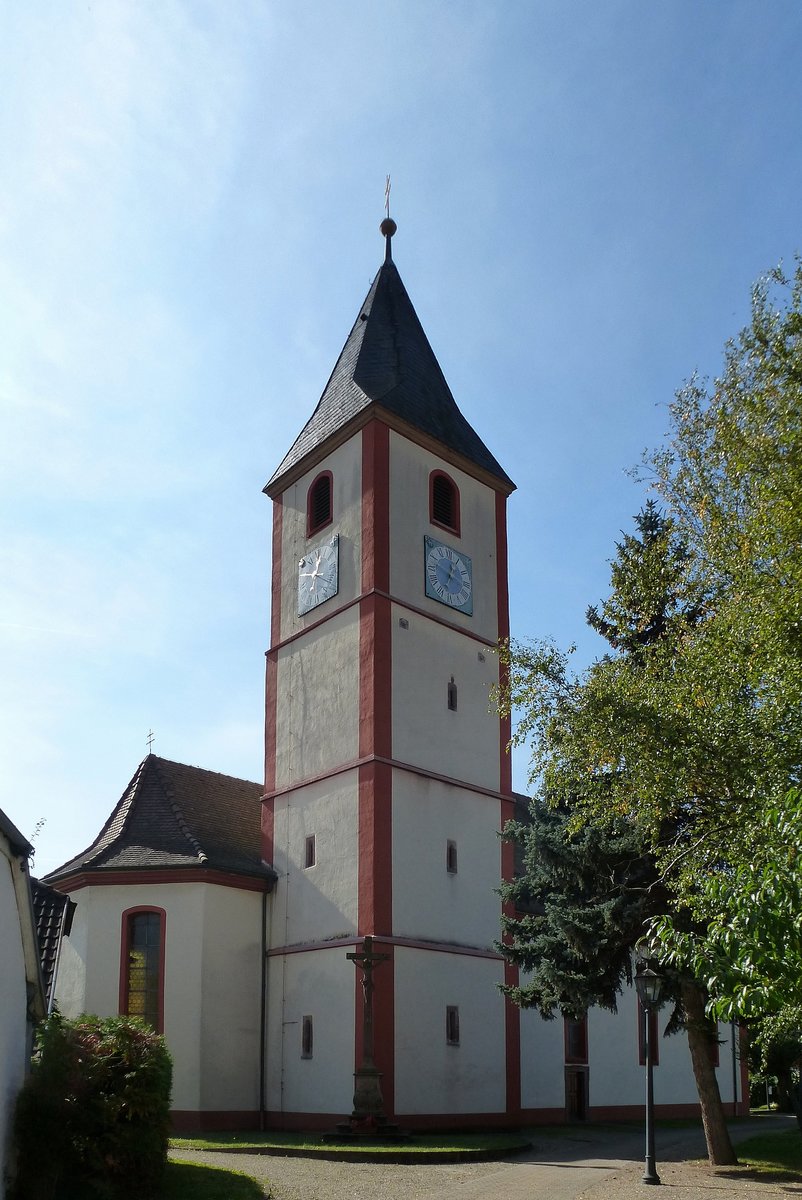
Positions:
{"x": 150, "y": 960}
{"x": 654, "y": 1037}
{"x": 576, "y": 1040}
{"x": 444, "y": 509}
{"x": 320, "y": 503}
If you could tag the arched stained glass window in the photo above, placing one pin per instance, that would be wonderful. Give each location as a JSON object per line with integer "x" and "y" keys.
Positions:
{"x": 141, "y": 983}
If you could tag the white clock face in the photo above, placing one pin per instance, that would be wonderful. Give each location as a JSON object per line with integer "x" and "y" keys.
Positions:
{"x": 318, "y": 576}
{"x": 449, "y": 576}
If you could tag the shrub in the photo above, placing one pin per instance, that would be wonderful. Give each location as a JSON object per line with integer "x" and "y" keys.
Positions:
{"x": 93, "y": 1117}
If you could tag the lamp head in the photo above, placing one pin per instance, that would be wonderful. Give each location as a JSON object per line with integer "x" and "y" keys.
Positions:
{"x": 649, "y": 986}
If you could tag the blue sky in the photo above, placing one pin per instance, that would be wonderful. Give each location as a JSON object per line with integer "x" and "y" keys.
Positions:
{"x": 190, "y": 195}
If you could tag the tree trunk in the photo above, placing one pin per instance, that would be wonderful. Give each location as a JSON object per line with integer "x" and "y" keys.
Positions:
{"x": 784, "y": 1086}
{"x": 795, "y": 1096}
{"x": 717, "y": 1135}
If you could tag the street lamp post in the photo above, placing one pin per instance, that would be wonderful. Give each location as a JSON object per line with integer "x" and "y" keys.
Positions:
{"x": 649, "y": 985}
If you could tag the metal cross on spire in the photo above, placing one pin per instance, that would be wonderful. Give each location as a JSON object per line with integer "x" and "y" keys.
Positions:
{"x": 388, "y": 225}
{"x": 149, "y": 739}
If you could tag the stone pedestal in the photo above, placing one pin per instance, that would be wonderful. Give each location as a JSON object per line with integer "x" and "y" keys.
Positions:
{"x": 368, "y": 1119}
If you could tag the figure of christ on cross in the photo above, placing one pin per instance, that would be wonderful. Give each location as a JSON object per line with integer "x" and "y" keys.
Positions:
{"x": 368, "y": 1103}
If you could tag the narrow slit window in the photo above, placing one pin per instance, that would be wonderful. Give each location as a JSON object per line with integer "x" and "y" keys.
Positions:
{"x": 443, "y": 501}
{"x": 307, "y": 1037}
{"x": 452, "y": 1025}
{"x": 451, "y": 857}
{"x": 452, "y": 695}
{"x": 310, "y": 856}
{"x": 319, "y": 503}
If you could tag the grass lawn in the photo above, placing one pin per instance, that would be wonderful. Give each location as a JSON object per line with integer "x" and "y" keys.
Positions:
{"x": 773, "y": 1153}
{"x": 188, "y": 1181}
{"x": 492, "y": 1143}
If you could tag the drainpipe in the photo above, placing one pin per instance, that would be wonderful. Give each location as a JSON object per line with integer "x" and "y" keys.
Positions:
{"x": 263, "y": 1019}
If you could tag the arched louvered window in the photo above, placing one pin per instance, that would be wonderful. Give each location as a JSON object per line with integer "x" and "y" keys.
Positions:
{"x": 142, "y": 965}
{"x": 319, "y": 503}
{"x": 444, "y": 501}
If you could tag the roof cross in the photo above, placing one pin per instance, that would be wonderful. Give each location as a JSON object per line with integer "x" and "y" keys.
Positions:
{"x": 387, "y": 196}
{"x": 149, "y": 739}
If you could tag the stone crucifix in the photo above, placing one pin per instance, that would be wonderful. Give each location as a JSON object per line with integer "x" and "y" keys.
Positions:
{"x": 368, "y": 1100}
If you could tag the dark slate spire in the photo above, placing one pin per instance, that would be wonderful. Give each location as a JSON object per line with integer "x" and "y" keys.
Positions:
{"x": 387, "y": 362}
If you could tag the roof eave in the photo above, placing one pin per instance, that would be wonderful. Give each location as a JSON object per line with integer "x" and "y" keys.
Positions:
{"x": 374, "y": 411}
{"x": 261, "y": 879}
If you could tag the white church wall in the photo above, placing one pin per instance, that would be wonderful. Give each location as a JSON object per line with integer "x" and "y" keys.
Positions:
{"x": 410, "y": 467}
{"x": 312, "y": 903}
{"x": 432, "y": 1076}
{"x": 616, "y": 1075}
{"x": 70, "y": 990}
{"x": 230, "y": 999}
{"x": 319, "y": 984}
{"x": 89, "y": 969}
{"x": 428, "y": 901}
{"x": 93, "y": 950}
{"x": 13, "y": 998}
{"x": 542, "y": 1061}
{"x": 317, "y": 722}
{"x": 345, "y": 464}
{"x": 463, "y": 744}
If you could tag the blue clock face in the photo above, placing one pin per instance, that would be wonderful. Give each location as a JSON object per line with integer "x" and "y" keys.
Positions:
{"x": 449, "y": 576}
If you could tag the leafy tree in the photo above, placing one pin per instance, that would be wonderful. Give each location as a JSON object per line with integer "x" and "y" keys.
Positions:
{"x": 732, "y": 476}
{"x": 748, "y": 943}
{"x": 690, "y": 731}
{"x": 590, "y": 862}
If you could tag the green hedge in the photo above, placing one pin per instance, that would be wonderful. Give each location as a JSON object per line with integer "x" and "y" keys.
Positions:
{"x": 92, "y": 1120}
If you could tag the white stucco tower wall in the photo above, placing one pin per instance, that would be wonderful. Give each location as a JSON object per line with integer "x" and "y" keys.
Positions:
{"x": 387, "y": 780}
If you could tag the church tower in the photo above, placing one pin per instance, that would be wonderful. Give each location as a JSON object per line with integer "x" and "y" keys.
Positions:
{"x": 386, "y": 773}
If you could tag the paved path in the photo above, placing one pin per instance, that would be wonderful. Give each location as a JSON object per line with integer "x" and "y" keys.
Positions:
{"x": 562, "y": 1165}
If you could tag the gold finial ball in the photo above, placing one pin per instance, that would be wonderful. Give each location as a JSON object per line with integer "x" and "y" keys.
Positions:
{"x": 388, "y": 227}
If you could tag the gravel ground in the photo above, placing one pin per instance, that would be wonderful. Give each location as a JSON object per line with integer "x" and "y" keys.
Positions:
{"x": 694, "y": 1181}
{"x": 317, "y": 1179}
{"x": 585, "y": 1163}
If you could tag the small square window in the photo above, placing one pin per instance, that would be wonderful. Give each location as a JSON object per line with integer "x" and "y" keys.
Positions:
{"x": 451, "y": 857}
{"x": 307, "y": 1037}
{"x": 309, "y": 851}
{"x": 452, "y": 1025}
